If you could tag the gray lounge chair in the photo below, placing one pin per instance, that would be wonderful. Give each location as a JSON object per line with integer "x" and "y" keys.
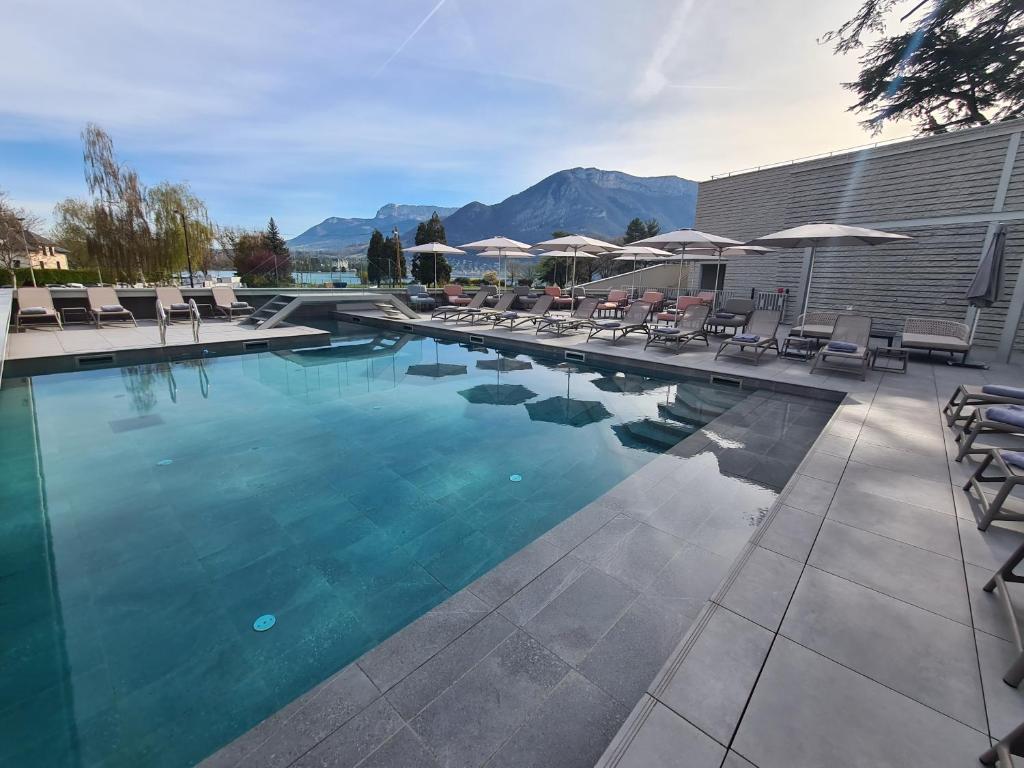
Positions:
{"x": 635, "y": 319}
{"x": 759, "y": 336}
{"x": 36, "y": 306}
{"x": 689, "y": 325}
{"x": 1009, "y": 476}
{"x": 174, "y": 303}
{"x": 418, "y": 298}
{"x": 815, "y": 325}
{"x": 734, "y": 314}
{"x": 531, "y": 315}
{"x": 452, "y": 311}
{"x": 986, "y": 421}
{"x": 1002, "y": 751}
{"x": 853, "y": 331}
{"x": 1005, "y": 575}
{"x": 936, "y": 336}
{"x": 474, "y": 315}
{"x": 226, "y": 303}
{"x": 104, "y": 305}
{"x": 967, "y": 396}
{"x": 559, "y": 324}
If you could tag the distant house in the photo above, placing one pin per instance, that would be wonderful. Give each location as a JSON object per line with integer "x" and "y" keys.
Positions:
{"x": 43, "y": 253}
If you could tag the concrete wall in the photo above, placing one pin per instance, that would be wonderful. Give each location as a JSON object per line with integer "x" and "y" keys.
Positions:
{"x": 948, "y": 192}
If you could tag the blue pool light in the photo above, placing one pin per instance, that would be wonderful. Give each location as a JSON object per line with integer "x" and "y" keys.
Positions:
{"x": 515, "y": 478}
{"x": 264, "y": 622}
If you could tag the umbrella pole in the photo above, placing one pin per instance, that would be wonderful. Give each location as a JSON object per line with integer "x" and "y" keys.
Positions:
{"x": 807, "y": 291}
{"x": 632, "y": 280}
{"x": 573, "y": 283}
{"x": 679, "y": 278}
{"x": 435, "y": 270}
{"x": 718, "y": 266}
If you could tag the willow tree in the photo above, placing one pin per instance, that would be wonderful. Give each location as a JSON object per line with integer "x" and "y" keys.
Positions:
{"x": 953, "y": 63}
{"x": 172, "y": 207}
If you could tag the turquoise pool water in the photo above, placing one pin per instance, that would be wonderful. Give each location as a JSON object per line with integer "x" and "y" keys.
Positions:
{"x": 151, "y": 514}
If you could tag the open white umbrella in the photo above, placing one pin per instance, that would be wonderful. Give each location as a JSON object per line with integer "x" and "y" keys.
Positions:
{"x": 637, "y": 253}
{"x": 681, "y": 239}
{"x": 578, "y": 246}
{"x": 813, "y": 235}
{"x": 434, "y": 248}
{"x": 500, "y": 245}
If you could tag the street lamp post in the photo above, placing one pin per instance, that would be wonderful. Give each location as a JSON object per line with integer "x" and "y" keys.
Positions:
{"x": 398, "y": 254}
{"x": 188, "y": 252}
{"x": 24, "y": 242}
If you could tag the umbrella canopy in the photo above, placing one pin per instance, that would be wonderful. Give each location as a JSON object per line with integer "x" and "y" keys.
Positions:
{"x": 984, "y": 290}
{"x": 813, "y": 235}
{"x": 578, "y": 246}
{"x": 499, "y": 245}
{"x": 504, "y": 364}
{"x": 570, "y": 413}
{"x": 627, "y": 383}
{"x": 498, "y": 394}
{"x": 436, "y": 370}
{"x": 434, "y": 248}
{"x": 681, "y": 239}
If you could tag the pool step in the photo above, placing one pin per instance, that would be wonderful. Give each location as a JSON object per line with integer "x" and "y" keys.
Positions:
{"x": 267, "y": 311}
{"x": 653, "y": 433}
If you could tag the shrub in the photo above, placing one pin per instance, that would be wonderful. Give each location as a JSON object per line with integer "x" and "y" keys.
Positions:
{"x": 50, "y": 276}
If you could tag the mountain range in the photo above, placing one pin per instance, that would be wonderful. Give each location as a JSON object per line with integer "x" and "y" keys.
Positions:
{"x": 580, "y": 200}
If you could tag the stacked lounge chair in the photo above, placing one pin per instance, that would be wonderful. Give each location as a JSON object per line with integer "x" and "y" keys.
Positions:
{"x": 967, "y": 396}
{"x": 559, "y": 324}
{"x": 689, "y": 325}
{"x": 635, "y": 319}
{"x": 848, "y": 342}
{"x": 104, "y": 305}
{"x": 515, "y": 319}
{"x": 760, "y": 335}
{"x": 993, "y": 420}
{"x": 35, "y": 305}
{"x": 453, "y": 311}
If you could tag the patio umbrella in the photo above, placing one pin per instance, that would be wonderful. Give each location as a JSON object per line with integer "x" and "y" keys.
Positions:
{"x": 570, "y": 413}
{"x": 504, "y": 364}
{"x": 436, "y": 370}
{"x": 578, "y": 246}
{"x": 639, "y": 253}
{"x": 498, "y": 244}
{"x": 498, "y": 394}
{"x": 680, "y": 239}
{"x": 434, "y": 248}
{"x": 627, "y": 383}
{"x": 986, "y": 285}
{"x": 813, "y": 235}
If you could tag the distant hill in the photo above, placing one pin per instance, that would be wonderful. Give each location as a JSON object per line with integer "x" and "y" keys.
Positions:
{"x": 337, "y": 234}
{"x": 581, "y": 200}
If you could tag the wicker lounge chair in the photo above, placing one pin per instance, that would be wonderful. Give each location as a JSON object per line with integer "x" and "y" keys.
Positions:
{"x": 655, "y": 298}
{"x": 418, "y": 298}
{"x": 104, "y": 305}
{"x": 849, "y": 342}
{"x": 452, "y": 311}
{"x": 815, "y": 325}
{"x": 994, "y": 420}
{"x": 635, "y": 319}
{"x": 966, "y": 396}
{"x": 174, "y": 303}
{"x": 532, "y": 315}
{"x": 559, "y": 324}
{"x": 1009, "y": 475}
{"x": 688, "y": 326}
{"x": 614, "y": 304}
{"x": 474, "y": 315}
{"x": 36, "y": 306}
{"x": 759, "y": 336}
{"x": 734, "y": 314}
{"x": 454, "y": 295}
{"x": 226, "y": 303}
{"x": 936, "y": 336}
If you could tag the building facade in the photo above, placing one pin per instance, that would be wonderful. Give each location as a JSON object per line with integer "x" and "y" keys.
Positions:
{"x": 948, "y": 192}
{"x": 43, "y": 253}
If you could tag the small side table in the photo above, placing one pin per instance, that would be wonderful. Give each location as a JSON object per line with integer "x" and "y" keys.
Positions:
{"x": 893, "y": 359}
{"x": 799, "y": 347}
{"x": 76, "y": 315}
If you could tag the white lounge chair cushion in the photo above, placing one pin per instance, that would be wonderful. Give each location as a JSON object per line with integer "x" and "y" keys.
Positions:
{"x": 34, "y": 311}
{"x": 111, "y": 308}
{"x": 931, "y": 341}
{"x": 239, "y": 304}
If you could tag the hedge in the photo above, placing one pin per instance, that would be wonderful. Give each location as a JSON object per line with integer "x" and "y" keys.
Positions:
{"x": 51, "y": 276}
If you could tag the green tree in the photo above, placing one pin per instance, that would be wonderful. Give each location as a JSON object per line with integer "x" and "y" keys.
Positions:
{"x": 635, "y": 230}
{"x": 395, "y": 259}
{"x": 957, "y": 63}
{"x": 280, "y": 255}
{"x": 253, "y": 259}
{"x": 423, "y": 264}
{"x": 163, "y": 203}
{"x": 274, "y": 240}
{"x": 653, "y": 227}
{"x": 376, "y": 259}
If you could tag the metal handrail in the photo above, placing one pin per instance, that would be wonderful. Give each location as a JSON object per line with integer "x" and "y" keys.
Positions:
{"x": 196, "y": 319}
{"x": 161, "y": 322}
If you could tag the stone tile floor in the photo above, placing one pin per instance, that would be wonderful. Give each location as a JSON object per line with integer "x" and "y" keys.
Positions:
{"x": 849, "y": 630}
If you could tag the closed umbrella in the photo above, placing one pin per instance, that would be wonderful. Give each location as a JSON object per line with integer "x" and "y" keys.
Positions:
{"x": 637, "y": 253}
{"x": 987, "y": 282}
{"x": 681, "y": 239}
{"x": 498, "y": 244}
{"x": 578, "y": 246}
{"x": 813, "y": 235}
{"x": 434, "y": 248}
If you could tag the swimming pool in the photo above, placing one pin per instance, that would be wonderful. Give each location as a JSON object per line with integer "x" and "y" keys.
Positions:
{"x": 152, "y": 514}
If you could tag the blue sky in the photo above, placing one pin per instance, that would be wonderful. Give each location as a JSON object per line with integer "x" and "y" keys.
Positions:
{"x": 309, "y": 109}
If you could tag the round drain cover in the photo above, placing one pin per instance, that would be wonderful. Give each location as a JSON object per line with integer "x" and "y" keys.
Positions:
{"x": 515, "y": 478}
{"x": 264, "y": 622}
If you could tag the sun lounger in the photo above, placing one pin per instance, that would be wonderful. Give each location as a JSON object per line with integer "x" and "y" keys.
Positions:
{"x": 174, "y": 303}
{"x": 1010, "y": 473}
{"x": 759, "y": 336}
{"x": 614, "y": 304}
{"x": 452, "y": 311}
{"x": 474, "y": 315}
{"x": 104, "y": 305}
{"x": 635, "y": 319}
{"x": 655, "y": 298}
{"x": 690, "y": 325}
{"x": 35, "y": 305}
{"x": 534, "y": 313}
{"x": 936, "y": 336}
{"x": 1005, "y": 575}
{"x": 226, "y": 303}
{"x": 733, "y": 314}
{"x": 417, "y": 297}
{"x": 993, "y": 420}
{"x": 848, "y": 342}
{"x": 559, "y": 324}
{"x": 453, "y": 293}
{"x": 815, "y": 325}
{"x": 966, "y": 396}
{"x": 681, "y": 304}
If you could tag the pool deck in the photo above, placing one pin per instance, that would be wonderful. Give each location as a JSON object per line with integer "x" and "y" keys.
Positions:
{"x": 41, "y": 349}
{"x": 849, "y": 629}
